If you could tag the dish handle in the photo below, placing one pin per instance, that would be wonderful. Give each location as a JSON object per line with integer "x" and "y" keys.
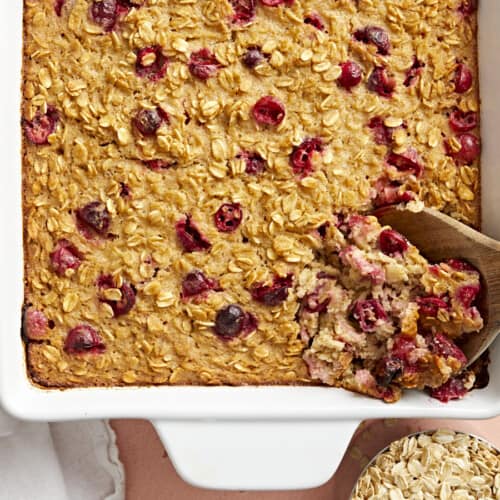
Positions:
{"x": 256, "y": 455}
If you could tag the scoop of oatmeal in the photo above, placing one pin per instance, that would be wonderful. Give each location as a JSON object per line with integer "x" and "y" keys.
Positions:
{"x": 378, "y": 318}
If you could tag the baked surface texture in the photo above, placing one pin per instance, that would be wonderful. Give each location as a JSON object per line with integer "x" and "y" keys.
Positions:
{"x": 146, "y": 158}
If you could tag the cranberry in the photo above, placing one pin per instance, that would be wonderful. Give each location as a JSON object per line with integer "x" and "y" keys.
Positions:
{"x": 402, "y": 348}
{"x": 228, "y": 217}
{"x": 468, "y": 7}
{"x": 151, "y": 63}
{"x": 35, "y": 324}
{"x": 203, "y": 64}
{"x": 376, "y": 36}
{"x": 413, "y": 73}
{"x": 441, "y": 345}
{"x": 392, "y": 243}
{"x": 388, "y": 369}
{"x": 275, "y": 3}
{"x": 379, "y": 81}
{"x": 314, "y": 20}
{"x": 461, "y": 265}
{"x": 369, "y": 314}
{"x": 272, "y": 295}
{"x": 58, "y": 6}
{"x": 301, "y": 157}
{"x": 148, "y": 121}
{"x": 409, "y": 161}
{"x": 254, "y": 163}
{"x": 190, "y": 236}
{"x": 313, "y": 304}
{"x": 125, "y": 191}
{"x": 253, "y": 57}
{"x": 65, "y": 256}
{"x": 196, "y": 283}
{"x": 94, "y": 216}
{"x": 268, "y": 110}
{"x": 467, "y": 295}
{"x": 381, "y": 133}
{"x": 389, "y": 193}
{"x": 244, "y": 11}
{"x": 463, "y": 78}
{"x": 323, "y": 229}
{"x": 469, "y": 150}
{"x": 125, "y": 304}
{"x": 463, "y": 121}
{"x": 157, "y": 165}
{"x": 454, "y": 388}
{"x": 105, "y": 13}
{"x": 233, "y": 320}
{"x": 430, "y": 306}
{"x": 351, "y": 75}
{"x": 83, "y": 339}
{"x": 38, "y": 130}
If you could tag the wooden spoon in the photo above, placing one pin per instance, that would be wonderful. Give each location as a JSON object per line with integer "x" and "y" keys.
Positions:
{"x": 440, "y": 237}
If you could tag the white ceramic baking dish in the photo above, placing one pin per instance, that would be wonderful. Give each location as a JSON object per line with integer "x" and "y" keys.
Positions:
{"x": 223, "y": 437}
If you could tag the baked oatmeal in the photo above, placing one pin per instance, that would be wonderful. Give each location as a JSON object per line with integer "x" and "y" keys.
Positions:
{"x": 192, "y": 174}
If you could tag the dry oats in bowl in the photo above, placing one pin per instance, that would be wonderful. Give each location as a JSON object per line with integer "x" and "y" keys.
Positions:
{"x": 441, "y": 464}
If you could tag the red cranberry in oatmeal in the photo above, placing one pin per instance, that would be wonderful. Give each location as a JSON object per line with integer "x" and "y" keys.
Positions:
{"x": 254, "y": 163}
{"x": 463, "y": 79}
{"x": 38, "y": 129}
{"x": 409, "y": 162}
{"x": 467, "y": 295}
{"x": 442, "y": 346}
{"x": 315, "y": 20}
{"x": 253, "y": 57}
{"x": 392, "y": 243}
{"x": 369, "y": 314}
{"x": 413, "y": 73}
{"x": 301, "y": 157}
{"x": 228, "y": 217}
{"x": 148, "y": 121}
{"x": 387, "y": 192}
{"x": 375, "y": 36}
{"x": 380, "y": 82}
{"x": 244, "y": 11}
{"x": 351, "y": 75}
{"x": 151, "y": 63}
{"x": 65, "y": 256}
{"x": 83, "y": 339}
{"x": 190, "y": 237}
{"x": 203, "y": 64}
{"x": 275, "y": 3}
{"x": 35, "y": 324}
{"x": 268, "y": 110}
{"x": 58, "y": 6}
{"x": 461, "y": 121}
{"x": 470, "y": 149}
{"x": 454, "y": 388}
{"x": 274, "y": 294}
{"x": 195, "y": 283}
{"x": 382, "y": 134}
{"x": 430, "y": 306}
{"x": 232, "y": 321}
{"x": 157, "y": 165}
{"x": 93, "y": 218}
{"x": 121, "y": 305}
{"x": 461, "y": 265}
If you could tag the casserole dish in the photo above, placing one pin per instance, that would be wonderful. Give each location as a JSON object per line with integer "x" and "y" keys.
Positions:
{"x": 223, "y": 437}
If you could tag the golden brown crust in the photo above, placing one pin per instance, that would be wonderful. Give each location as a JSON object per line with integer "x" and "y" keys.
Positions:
{"x": 89, "y": 77}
